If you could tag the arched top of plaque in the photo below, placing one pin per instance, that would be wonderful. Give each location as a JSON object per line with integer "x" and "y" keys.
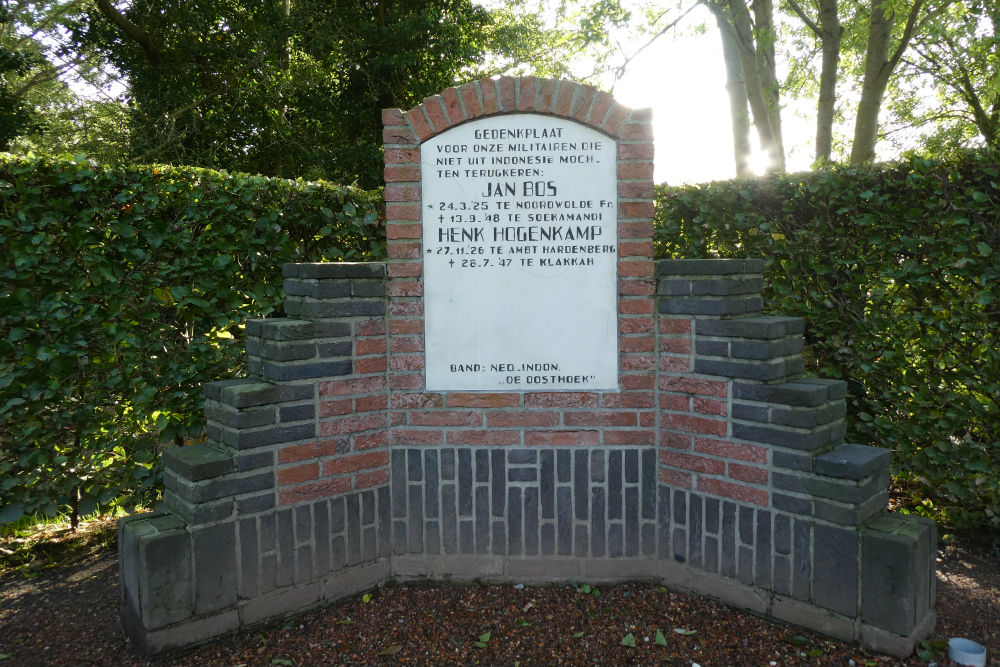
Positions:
{"x": 519, "y": 228}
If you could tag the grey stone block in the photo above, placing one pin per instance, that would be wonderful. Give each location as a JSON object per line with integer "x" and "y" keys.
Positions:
{"x": 782, "y": 534}
{"x": 702, "y": 267}
{"x": 255, "y": 504}
{"x": 564, "y": 520}
{"x": 581, "y": 541}
{"x": 760, "y": 327}
{"x": 197, "y": 513}
{"x": 197, "y": 462}
{"x": 631, "y": 466}
{"x": 449, "y": 522}
{"x": 764, "y": 371}
{"x": 384, "y": 522}
{"x": 233, "y": 418}
{"x": 342, "y": 348}
{"x": 432, "y": 486}
{"x": 515, "y": 541}
{"x": 294, "y": 413}
{"x": 751, "y": 412}
{"x": 784, "y": 436}
{"x": 548, "y": 539}
{"x": 746, "y": 525}
{"x": 744, "y": 565}
{"x": 846, "y": 491}
{"x": 321, "y": 538}
{"x": 285, "y": 535}
{"x": 851, "y": 514}
{"x": 482, "y": 503}
{"x": 273, "y": 350}
{"x": 581, "y": 479}
{"x": 397, "y": 484}
{"x": 317, "y": 289}
{"x": 679, "y": 541}
{"x": 289, "y": 371}
{"x": 712, "y": 348}
{"x": 522, "y": 474}
{"x": 616, "y": 496}
{"x": 368, "y": 288}
{"x": 802, "y": 461}
{"x": 663, "y": 521}
{"x": 782, "y": 576}
{"x": 254, "y": 460}
{"x": 303, "y": 564}
{"x": 632, "y": 522}
{"x": 761, "y": 351}
{"x": 447, "y": 464}
{"x": 853, "y": 462}
{"x": 673, "y": 287}
{"x": 353, "y": 515}
{"x": 327, "y": 270}
{"x": 648, "y": 495}
{"x": 811, "y": 417}
{"x": 497, "y": 541}
{"x": 764, "y": 545}
{"x": 897, "y": 564}
{"x": 309, "y": 308}
{"x": 287, "y": 329}
{"x": 212, "y": 391}
{"x": 598, "y": 472}
{"x": 250, "y": 394}
{"x": 802, "y": 563}
{"x": 156, "y": 574}
{"x": 727, "y": 286}
{"x": 498, "y": 481}
{"x": 249, "y": 563}
{"x": 811, "y": 392}
{"x": 616, "y": 540}
{"x": 647, "y": 539}
{"x": 531, "y": 545}
{"x": 711, "y": 557}
{"x": 694, "y": 532}
{"x": 835, "y": 572}
{"x": 214, "y": 550}
{"x": 564, "y": 470}
{"x": 708, "y": 305}
{"x": 466, "y": 537}
{"x": 522, "y": 456}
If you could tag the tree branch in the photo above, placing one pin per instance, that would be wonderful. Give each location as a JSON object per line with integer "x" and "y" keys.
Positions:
{"x": 133, "y": 31}
{"x": 805, "y": 19}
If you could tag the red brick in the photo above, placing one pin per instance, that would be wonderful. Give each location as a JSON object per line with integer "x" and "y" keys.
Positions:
{"x": 398, "y": 230}
{"x": 369, "y": 346}
{"x": 522, "y": 418}
{"x": 638, "y": 382}
{"x": 635, "y": 325}
{"x": 635, "y": 209}
{"x": 397, "y": 250}
{"x": 584, "y": 100}
{"x": 292, "y": 453}
{"x": 404, "y": 381}
{"x": 406, "y": 308}
{"x": 739, "y": 492}
{"x": 670, "y": 363}
{"x": 526, "y": 93}
{"x": 635, "y": 267}
{"x": 561, "y": 438}
{"x": 297, "y": 474}
{"x": 408, "y": 344}
{"x": 406, "y": 362}
{"x": 406, "y": 326}
{"x": 730, "y": 450}
{"x": 369, "y": 365}
{"x": 635, "y": 249}
{"x": 637, "y": 344}
{"x": 392, "y": 117}
{"x": 326, "y": 488}
{"x": 370, "y": 440}
{"x": 405, "y": 401}
{"x": 636, "y": 190}
{"x": 708, "y": 406}
{"x": 693, "y": 463}
{"x": 675, "y": 345}
{"x": 546, "y": 399}
{"x": 564, "y": 97}
{"x": 402, "y": 193}
{"x": 371, "y": 403}
{"x": 647, "y": 419}
{"x": 643, "y": 437}
{"x": 352, "y": 386}
{"x": 354, "y": 462}
{"x": 470, "y": 400}
{"x": 675, "y": 440}
{"x": 333, "y": 446}
{"x": 692, "y": 424}
{"x": 418, "y": 121}
{"x": 370, "y": 328}
{"x": 484, "y": 437}
{"x": 745, "y": 473}
{"x": 404, "y": 288}
{"x": 402, "y": 155}
{"x": 637, "y": 362}
{"x": 490, "y": 103}
{"x": 629, "y": 399}
{"x": 405, "y": 269}
{"x": 363, "y": 480}
{"x": 636, "y": 287}
{"x": 446, "y": 418}
{"x": 675, "y": 325}
{"x": 675, "y": 402}
{"x": 635, "y": 171}
{"x": 507, "y": 94}
{"x": 637, "y": 151}
{"x": 615, "y": 121}
{"x": 412, "y": 436}
{"x": 635, "y": 230}
{"x": 452, "y": 105}
{"x": 599, "y": 112}
{"x": 398, "y": 135}
{"x": 399, "y": 211}
{"x": 344, "y": 406}
{"x": 600, "y": 418}
{"x": 473, "y": 109}
{"x": 546, "y": 95}
{"x": 675, "y": 478}
{"x": 689, "y": 385}
{"x": 353, "y": 424}
{"x": 402, "y": 174}
{"x": 434, "y": 109}
{"x": 635, "y": 305}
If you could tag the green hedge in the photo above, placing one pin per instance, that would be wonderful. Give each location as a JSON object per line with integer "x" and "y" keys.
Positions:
{"x": 123, "y": 290}
{"x": 897, "y": 271}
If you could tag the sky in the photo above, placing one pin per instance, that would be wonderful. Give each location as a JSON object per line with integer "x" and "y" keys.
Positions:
{"x": 682, "y": 78}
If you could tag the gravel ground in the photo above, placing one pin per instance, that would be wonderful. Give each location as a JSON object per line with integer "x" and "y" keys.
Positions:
{"x": 68, "y": 615}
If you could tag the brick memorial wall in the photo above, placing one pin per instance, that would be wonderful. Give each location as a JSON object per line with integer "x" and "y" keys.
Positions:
{"x": 521, "y": 394}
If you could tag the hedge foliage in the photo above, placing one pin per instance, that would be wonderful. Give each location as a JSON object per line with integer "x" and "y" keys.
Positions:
{"x": 124, "y": 290}
{"x": 897, "y": 272}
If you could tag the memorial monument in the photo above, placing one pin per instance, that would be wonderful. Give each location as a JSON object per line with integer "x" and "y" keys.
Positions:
{"x": 521, "y": 394}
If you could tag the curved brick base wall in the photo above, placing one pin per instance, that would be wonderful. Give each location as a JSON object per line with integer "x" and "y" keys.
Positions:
{"x": 744, "y": 490}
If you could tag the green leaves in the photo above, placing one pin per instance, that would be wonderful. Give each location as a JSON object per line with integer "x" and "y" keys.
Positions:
{"x": 483, "y": 640}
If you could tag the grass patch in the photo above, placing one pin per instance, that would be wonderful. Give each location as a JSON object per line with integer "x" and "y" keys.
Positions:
{"x": 36, "y": 543}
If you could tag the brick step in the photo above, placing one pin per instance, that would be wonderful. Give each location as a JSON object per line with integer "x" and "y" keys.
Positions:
{"x": 331, "y": 290}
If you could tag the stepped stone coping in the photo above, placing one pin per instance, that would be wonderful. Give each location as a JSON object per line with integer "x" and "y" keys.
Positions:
{"x": 802, "y": 392}
{"x": 287, "y": 329}
{"x": 197, "y": 462}
{"x": 761, "y": 326}
{"x": 322, "y": 270}
{"x": 850, "y": 461}
{"x": 701, "y": 267}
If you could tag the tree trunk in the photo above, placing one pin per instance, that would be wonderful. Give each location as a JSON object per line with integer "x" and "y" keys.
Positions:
{"x": 736, "y": 87}
{"x": 873, "y": 88}
{"x": 765, "y": 37}
{"x": 831, "y": 33}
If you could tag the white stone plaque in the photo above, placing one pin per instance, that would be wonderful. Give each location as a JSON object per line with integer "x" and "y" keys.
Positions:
{"x": 520, "y": 243}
